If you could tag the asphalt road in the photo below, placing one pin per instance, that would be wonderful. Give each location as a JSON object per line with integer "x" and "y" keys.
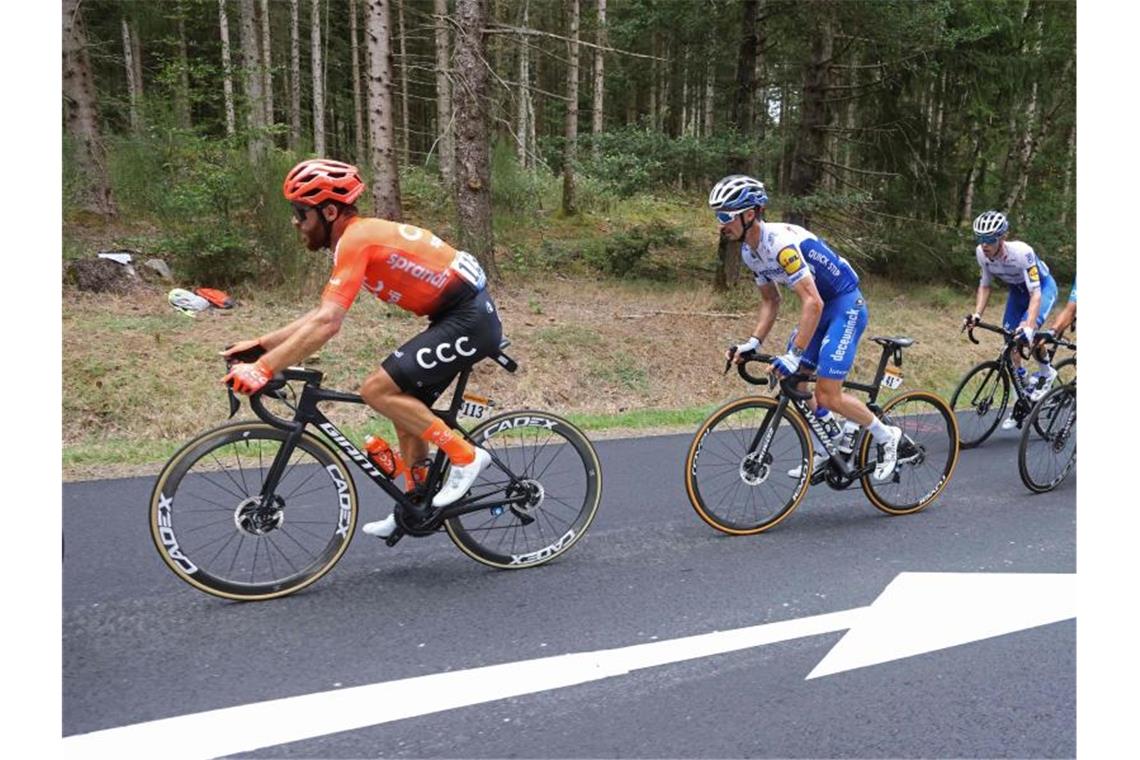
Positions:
{"x": 140, "y": 645}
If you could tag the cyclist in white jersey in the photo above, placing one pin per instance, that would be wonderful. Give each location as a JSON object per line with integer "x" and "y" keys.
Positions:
{"x": 833, "y": 313}
{"x": 1032, "y": 291}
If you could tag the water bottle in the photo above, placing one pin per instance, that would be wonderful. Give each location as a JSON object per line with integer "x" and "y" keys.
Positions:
{"x": 386, "y": 459}
{"x": 1019, "y": 373}
{"x": 830, "y": 426}
{"x": 850, "y": 430}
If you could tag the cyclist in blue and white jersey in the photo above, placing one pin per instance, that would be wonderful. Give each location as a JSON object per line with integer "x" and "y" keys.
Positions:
{"x": 1032, "y": 291}
{"x": 1060, "y": 323}
{"x": 833, "y": 313}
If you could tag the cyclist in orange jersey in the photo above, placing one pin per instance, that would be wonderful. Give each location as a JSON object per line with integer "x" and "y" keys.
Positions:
{"x": 410, "y": 268}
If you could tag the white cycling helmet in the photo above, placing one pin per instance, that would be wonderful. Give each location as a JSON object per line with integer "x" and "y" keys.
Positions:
{"x": 186, "y": 302}
{"x": 737, "y": 191}
{"x": 990, "y": 226}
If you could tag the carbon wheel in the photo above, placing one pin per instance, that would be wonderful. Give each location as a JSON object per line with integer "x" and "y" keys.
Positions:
{"x": 730, "y": 487}
{"x": 927, "y": 454}
{"x": 209, "y": 525}
{"x": 1048, "y": 448}
{"x": 979, "y": 402}
{"x": 559, "y": 476}
{"x": 1066, "y": 371}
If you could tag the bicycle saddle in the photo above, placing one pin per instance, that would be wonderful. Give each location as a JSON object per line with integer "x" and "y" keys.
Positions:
{"x": 901, "y": 342}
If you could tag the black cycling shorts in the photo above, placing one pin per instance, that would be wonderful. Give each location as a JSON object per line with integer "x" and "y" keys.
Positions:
{"x": 454, "y": 340}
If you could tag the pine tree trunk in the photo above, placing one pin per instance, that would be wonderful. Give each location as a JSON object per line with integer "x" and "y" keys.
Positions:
{"x": 227, "y": 69}
{"x": 472, "y": 148}
{"x": 182, "y": 92}
{"x": 385, "y": 170}
{"x": 710, "y": 90}
{"x": 404, "y": 146}
{"x": 253, "y": 79}
{"x": 318, "y": 79}
{"x": 654, "y": 66}
{"x": 81, "y": 117}
{"x": 132, "y": 85}
{"x": 357, "y": 104}
{"x": 1070, "y": 165}
{"x": 759, "y": 76}
{"x": 522, "y": 131}
{"x": 966, "y": 207}
{"x": 444, "y": 118}
{"x": 570, "y": 153}
{"x": 600, "y": 80}
{"x": 745, "y": 69}
{"x": 295, "y": 75}
{"x": 136, "y": 57}
{"x": 267, "y": 62}
{"x": 804, "y": 175}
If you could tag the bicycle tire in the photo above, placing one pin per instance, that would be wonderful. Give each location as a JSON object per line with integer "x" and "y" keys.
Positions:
{"x": 206, "y": 496}
{"x": 1049, "y": 420}
{"x": 979, "y": 420}
{"x": 1062, "y": 367}
{"x": 928, "y": 426}
{"x": 717, "y": 463}
{"x": 566, "y": 500}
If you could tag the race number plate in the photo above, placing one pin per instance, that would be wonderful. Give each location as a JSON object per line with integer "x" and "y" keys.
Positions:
{"x": 474, "y": 406}
{"x": 892, "y": 378}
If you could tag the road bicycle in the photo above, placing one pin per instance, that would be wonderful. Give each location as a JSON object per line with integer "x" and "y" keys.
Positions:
{"x": 983, "y": 394}
{"x": 1048, "y": 448}
{"x": 256, "y": 510}
{"x": 737, "y": 472}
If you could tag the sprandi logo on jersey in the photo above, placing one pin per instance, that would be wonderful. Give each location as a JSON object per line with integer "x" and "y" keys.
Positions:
{"x": 398, "y": 263}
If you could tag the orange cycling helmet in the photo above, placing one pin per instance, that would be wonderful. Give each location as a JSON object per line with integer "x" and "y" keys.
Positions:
{"x": 317, "y": 180}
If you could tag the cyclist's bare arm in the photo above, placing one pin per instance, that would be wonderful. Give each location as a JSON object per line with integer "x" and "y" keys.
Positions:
{"x": 769, "y": 308}
{"x": 1034, "y": 307}
{"x": 272, "y": 340}
{"x": 309, "y": 333}
{"x": 981, "y": 299}
{"x": 1065, "y": 318}
{"x": 810, "y": 313}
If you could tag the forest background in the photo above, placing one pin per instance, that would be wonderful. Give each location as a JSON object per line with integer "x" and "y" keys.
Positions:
{"x": 570, "y": 146}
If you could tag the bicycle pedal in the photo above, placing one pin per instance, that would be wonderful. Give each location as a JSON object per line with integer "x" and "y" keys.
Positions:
{"x": 397, "y": 534}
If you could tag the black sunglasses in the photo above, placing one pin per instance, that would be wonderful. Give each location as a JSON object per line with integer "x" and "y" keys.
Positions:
{"x": 300, "y": 210}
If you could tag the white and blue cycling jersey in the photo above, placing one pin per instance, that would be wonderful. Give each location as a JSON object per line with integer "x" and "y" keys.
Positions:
{"x": 1073, "y": 292}
{"x": 788, "y": 253}
{"x": 1016, "y": 265}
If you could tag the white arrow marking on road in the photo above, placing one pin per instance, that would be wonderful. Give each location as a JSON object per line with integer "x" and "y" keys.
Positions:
{"x": 924, "y": 612}
{"x": 942, "y": 607}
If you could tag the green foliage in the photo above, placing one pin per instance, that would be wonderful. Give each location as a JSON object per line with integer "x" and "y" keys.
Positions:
{"x": 216, "y": 257}
{"x": 620, "y": 254}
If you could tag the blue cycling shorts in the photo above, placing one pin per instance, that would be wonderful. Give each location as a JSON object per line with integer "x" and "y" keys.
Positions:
{"x": 832, "y": 348}
{"x": 1017, "y": 307}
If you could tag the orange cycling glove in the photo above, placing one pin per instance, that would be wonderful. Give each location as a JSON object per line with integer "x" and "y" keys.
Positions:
{"x": 248, "y": 378}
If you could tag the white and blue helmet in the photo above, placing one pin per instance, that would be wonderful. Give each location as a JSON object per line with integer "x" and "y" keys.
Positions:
{"x": 737, "y": 191}
{"x": 990, "y": 226}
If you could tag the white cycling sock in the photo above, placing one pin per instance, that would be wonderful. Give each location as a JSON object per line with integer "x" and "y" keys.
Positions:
{"x": 878, "y": 430}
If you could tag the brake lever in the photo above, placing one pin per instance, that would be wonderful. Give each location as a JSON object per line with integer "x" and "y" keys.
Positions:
{"x": 731, "y": 356}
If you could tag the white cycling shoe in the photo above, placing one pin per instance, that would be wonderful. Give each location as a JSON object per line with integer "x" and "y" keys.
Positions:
{"x": 817, "y": 460}
{"x": 461, "y": 479}
{"x": 1009, "y": 424}
{"x": 1043, "y": 383}
{"x": 890, "y": 457}
{"x": 381, "y": 528}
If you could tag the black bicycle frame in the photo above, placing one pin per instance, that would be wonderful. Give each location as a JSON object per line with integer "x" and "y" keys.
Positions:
{"x": 306, "y": 413}
{"x": 799, "y": 402}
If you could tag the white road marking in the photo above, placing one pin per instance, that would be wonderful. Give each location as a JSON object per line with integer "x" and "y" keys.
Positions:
{"x": 918, "y": 612}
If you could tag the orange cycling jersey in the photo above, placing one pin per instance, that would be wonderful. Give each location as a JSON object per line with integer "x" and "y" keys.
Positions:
{"x": 401, "y": 264}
